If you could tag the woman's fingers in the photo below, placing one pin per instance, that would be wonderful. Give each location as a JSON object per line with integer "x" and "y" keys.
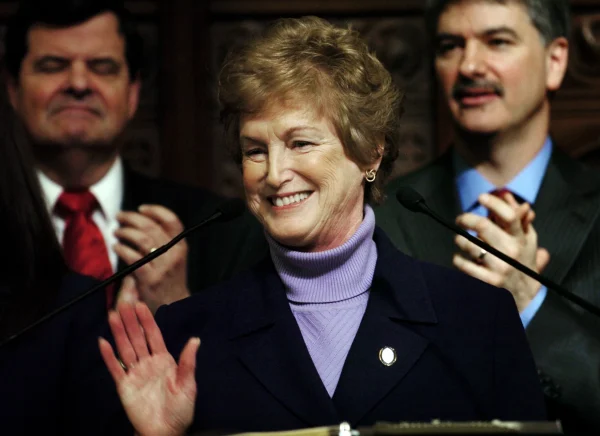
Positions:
{"x": 153, "y": 334}
{"x": 134, "y": 330}
{"x": 186, "y": 378}
{"x": 124, "y": 347}
{"x": 112, "y": 363}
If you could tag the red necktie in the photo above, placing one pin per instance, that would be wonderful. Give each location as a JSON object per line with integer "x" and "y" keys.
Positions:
{"x": 83, "y": 245}
{"x": 500, "y": 192}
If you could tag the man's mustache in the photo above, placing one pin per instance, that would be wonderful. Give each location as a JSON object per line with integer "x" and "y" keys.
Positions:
{"x": 462, "y": 88}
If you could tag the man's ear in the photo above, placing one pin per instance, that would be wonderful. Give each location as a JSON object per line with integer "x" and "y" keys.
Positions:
{"x": 557, "y": 59}
{"x": 134, "y": 96}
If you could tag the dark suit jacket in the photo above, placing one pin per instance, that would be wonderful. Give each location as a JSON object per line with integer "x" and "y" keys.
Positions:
{"x": 215, "y": 252}
{"x": 38, "y": 370}
{"x": 564, "y": 339}
{"x": 461, "y": 352}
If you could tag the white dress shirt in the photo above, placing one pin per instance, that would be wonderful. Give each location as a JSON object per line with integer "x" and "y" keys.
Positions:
{"x": 109, "y": 193}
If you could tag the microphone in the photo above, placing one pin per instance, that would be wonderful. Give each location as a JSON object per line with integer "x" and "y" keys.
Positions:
{"x": 413, "y": 201}
{"x": 225, "y": 212}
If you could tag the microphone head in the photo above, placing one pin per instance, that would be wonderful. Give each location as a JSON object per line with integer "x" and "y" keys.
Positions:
{"x": 410, "y": 199}
{"x": 231, "y": 209}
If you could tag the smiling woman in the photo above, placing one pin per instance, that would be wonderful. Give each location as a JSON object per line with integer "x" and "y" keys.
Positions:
{"x": 337, "y": 81}
{"x": 335, "y": 324}
{"x": 298, "y": 180}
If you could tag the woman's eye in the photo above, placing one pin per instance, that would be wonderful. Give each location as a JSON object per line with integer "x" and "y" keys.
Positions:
{"x": 301, "y": 143}
{"x": 253, "y": 152}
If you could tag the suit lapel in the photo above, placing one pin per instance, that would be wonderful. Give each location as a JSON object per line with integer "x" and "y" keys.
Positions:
{"x": 137, "y": 190}
{"x": 133, "y": 189}
{"x": 131, "y": 199}
{"x": 398, "y": 298}
{"x": 427, "y": 239}
{"x": 272, "y": 348}
{"x": 567, "y": 208}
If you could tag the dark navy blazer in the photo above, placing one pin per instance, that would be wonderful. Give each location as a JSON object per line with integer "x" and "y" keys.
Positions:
{"x": 40, "y": 371}
{"x": 461, "y": 352}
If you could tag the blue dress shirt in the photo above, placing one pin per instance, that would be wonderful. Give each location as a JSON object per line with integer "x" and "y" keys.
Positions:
{"x": 470, "y": 185}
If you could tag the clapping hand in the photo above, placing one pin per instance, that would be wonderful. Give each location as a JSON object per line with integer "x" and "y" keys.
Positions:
{"x": 164, "y": 280}
{"x": 510, "y": 230}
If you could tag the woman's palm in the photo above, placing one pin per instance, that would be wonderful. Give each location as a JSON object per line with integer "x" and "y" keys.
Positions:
{"x": 154, "y": 401}
{"x": 157, "y": 394}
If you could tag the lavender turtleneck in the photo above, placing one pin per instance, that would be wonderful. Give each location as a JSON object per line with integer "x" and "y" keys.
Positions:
{"x": 328, "y": 294}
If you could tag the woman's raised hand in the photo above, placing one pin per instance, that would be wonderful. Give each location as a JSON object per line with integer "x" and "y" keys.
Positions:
{"x": 157, "y": 394}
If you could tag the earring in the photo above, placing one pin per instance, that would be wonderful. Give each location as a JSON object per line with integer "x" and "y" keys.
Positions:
{"x": 370, "y": 175}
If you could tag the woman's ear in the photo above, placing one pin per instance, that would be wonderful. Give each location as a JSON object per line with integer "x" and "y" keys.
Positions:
{"x": 380, "y": 151}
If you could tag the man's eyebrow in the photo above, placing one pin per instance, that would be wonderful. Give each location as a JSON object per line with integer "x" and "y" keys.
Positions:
{"x": 50, "y": 58}
{"x": 104, "y": 59}
{"x": 501, "y": 29}
{"x": 486, "y": 32}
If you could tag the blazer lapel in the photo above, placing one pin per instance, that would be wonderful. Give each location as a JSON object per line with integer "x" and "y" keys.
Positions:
{"x": 567, "y": 207}
{"x": 272, "y": 348}
{"x": 427, "y": 239}
{"x": 398, "y": 298}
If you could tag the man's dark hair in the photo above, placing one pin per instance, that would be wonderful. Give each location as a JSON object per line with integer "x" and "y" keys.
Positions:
{"x": 550, "y": 17}
{"x": 66, "y": 13}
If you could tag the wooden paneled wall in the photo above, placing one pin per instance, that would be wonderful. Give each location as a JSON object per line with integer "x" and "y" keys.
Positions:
{"x": 176, "y": 133}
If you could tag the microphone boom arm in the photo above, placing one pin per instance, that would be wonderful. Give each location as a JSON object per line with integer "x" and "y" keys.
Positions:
{"x": 225, "y": 212}
{"x": 423, "y": 207}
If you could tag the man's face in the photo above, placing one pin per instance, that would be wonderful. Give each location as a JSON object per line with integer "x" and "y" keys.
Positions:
{"x": 493, "y": 66}
{"x": 74, "y": 87}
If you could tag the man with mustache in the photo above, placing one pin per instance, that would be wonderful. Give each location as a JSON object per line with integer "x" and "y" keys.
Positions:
{"x": 74, "y": 82}
{"x": 497, "y": 64}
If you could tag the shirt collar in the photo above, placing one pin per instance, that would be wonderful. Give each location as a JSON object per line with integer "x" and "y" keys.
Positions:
{"x": 526, "y": 184}
{"x": 51, "y": 190}
{"x": 108, "y": 190}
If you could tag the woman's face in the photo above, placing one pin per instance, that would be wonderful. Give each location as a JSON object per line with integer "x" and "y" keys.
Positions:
{"x": 298, "y": 180}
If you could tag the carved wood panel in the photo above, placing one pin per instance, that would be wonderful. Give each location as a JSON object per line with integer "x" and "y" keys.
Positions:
{"x": 142, "y": 146}
{"x": 176, "y": 132}
{"x": 394, "y": 30}
{"x": 576, "y": 108}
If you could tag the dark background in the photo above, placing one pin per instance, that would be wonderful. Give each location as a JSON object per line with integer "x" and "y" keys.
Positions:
{"x": 176, "y": 133}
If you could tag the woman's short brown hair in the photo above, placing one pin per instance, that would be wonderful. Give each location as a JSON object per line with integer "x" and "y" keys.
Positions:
{"x": 309, "y": 59}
